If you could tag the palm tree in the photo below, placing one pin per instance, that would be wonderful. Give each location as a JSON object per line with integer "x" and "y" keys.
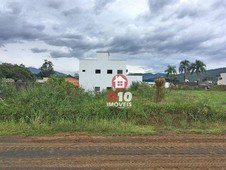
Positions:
{"x": 184, "y": 68}
{"x": 170, "y": 72}
{"x": 198, "y": 67}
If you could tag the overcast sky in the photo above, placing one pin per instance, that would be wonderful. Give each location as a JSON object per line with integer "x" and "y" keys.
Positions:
{"x": 150, "y": 34}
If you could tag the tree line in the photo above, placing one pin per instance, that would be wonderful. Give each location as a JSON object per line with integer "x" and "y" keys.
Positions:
{"x": 186, "y": 68}
{"x": 21, "y": 73}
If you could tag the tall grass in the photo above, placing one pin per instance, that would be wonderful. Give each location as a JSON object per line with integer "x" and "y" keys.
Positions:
{"x": 59, "y": 101}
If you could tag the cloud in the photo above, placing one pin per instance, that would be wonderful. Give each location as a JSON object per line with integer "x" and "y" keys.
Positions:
{"x": 100, "y": 5}
{"x": 14, "y": 7}
{"x": 78, "y": 44}
{"x": 59, "y": 54}
{"x": 37, "y": 50}
{"x": 74, "y": 53}
{"x": 55, "y": 4}
{"x": 73, "y": 12}
{"x": 138, "y": 69}
{"x": 13, "y": 28}
{"x": 148, "y": 33}
{"x": 158, "y": 5}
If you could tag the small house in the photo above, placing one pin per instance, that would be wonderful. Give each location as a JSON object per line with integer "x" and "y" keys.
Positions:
{"x": 73, "y": 80}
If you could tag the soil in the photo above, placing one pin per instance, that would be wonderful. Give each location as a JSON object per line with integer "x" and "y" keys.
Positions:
{"x": 84, "y": 151}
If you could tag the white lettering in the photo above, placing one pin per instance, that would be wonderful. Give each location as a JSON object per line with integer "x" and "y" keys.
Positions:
{"x": 120, "y": 96}
{"x": 128, "y": 96}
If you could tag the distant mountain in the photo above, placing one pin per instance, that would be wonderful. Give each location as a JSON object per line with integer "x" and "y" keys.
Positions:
{"x": 59, "y": 74}
{"x": 148, "y": 77}
{"x": 36, "y": 71}
{"x": 33, "y": 70}
{"x": 209, "y": 74}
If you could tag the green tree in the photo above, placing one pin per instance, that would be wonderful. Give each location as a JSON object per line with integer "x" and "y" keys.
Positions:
{"x": 184, "y": 68}
{"x": 171, "y": 72}
{"x": 46, "y": 69}
{"x": 16, "y": 72}
{"x": 198, "y": 67}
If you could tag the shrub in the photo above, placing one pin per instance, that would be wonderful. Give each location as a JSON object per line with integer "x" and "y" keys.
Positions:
{"x": 7, "y": 89}
{"x": 219, "y": 88}
{"x": 47, "y": 102}
{"x": 59, "y": 100}
{"x": 160, "y": 86}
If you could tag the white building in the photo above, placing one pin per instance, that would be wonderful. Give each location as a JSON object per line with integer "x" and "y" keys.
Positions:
{"x": 96, "y": 74}
{"x": 222, "y": 79}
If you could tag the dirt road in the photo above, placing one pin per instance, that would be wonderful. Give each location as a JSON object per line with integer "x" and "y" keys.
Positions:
{"x": 83, "y": 151}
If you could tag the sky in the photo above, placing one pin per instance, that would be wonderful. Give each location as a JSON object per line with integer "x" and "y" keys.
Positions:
{"x": 149, "y": 34}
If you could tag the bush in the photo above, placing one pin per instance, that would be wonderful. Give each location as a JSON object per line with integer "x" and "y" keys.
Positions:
{"x": 7, "y": 89}
{"x": 59, "y": 100}
{"x": 219, "y": 88}
{"x": 159, "y": 86}
{"x": 150, "y": 112}
{"x": 142, "y": 90}
{"x": 46, "y": 102}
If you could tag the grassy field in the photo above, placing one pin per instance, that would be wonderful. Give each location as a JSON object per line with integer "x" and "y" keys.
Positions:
{"x": 59, "y": 107}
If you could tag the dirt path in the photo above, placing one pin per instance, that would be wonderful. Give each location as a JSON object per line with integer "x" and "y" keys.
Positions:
{"x": 83, "y": 151}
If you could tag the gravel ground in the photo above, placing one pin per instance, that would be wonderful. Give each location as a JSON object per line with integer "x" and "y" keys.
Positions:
{"x": 84, "y": 151}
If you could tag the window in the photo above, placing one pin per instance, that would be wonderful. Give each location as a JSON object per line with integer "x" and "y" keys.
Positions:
{"x": 96, "y": 89}
{"x": 119, "y": 72}
{"x": 97, "y": 71}
{"x": 109, "y": 71}
{"x": 83, "y": 70}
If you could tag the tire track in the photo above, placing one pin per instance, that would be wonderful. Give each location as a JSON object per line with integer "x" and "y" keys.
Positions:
{"x": 81, "y": 151}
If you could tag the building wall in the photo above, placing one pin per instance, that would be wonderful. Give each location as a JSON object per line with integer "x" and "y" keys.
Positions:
{"x": 134, "y": 79}
{"x": 222, "y": 79}
{"x": 88, "y": 79}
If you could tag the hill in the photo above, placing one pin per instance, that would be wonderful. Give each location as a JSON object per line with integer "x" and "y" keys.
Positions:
{"x": 209, "y": 74}
{"x": 148, "y": 77}
{"x": 36, "y": 71}
{"x": 16, "y": 72}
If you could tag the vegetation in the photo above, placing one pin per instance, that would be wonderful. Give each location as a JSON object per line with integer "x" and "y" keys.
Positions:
{"x": 198, "y": 67}
{"x": 59, "y": 106}
{"x": 171, "y": 72}
{"x": 185, "y": 68}
{"x": 15, "y": 72}
{"x": 46, "y": 69}
{"x": 160, "y": 86}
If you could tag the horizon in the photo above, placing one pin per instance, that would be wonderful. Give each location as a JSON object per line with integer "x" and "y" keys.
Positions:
{"x": 138, "y": 72}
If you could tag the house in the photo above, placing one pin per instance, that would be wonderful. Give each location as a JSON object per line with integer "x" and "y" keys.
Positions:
{"x": 222, "y": 79}
{"x": 96, "y": 74}
{"x": 73, "y": 80}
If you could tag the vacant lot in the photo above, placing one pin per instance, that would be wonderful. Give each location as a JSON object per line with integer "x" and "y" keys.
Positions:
{"x": 83, "y": 151}
{"x": 57, "y": 106}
